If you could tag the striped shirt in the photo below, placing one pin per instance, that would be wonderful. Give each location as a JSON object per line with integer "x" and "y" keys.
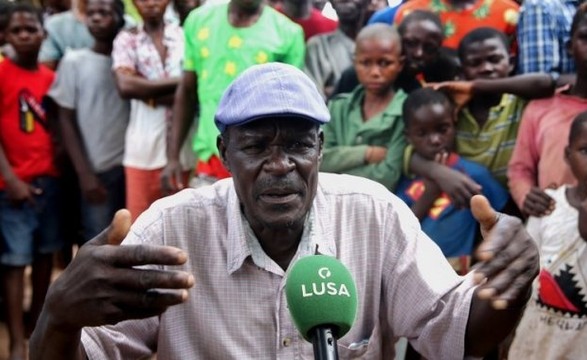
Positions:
{"x": 492, "y": 144}
{"x": 237, "y": 309}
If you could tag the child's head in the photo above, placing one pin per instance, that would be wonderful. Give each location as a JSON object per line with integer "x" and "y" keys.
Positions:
{"x": 378, "y": 57}
{"x": 151, "y": 11}
{"x": 24, "y": 30}
{"x": 576, "y": 150}
{"x": 104, "y": 18}
{"x": 429, "y": 122}
{"x": 484, "y": 54}
{"x": 577, "y": 45}
{"x": 422, "y": 34}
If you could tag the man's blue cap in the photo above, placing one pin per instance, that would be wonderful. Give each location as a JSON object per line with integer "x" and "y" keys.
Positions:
{"x": 270, "y": 90}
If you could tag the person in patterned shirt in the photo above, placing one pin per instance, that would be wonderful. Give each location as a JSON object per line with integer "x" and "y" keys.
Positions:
{"x": 459, "y": 17}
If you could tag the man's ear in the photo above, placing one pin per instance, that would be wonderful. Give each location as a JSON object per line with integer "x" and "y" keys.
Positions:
{"x": 221, "y": 145}
{"x": 567, "y": 154}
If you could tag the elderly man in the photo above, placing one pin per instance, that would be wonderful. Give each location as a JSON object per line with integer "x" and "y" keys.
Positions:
{"x": 235, "y": 240}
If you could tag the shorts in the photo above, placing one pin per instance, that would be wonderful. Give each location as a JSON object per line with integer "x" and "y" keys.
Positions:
{"x": 31, "y": 229}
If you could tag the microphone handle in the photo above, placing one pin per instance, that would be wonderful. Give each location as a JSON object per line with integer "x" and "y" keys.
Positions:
{"x": 324, "y": 343}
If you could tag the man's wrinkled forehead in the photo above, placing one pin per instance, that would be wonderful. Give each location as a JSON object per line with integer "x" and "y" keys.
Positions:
{"x": 287, "y": 126}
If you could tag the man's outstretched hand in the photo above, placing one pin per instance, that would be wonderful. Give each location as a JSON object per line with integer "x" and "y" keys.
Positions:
{"x": 104, "y": 285}
{"x": 508, "y": 257}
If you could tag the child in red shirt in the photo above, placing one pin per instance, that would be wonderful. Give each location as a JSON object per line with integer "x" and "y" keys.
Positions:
{"x": 28, "y": 177}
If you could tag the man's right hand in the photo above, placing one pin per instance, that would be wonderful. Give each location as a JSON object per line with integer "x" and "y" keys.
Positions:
{"x": 102, "y": 285}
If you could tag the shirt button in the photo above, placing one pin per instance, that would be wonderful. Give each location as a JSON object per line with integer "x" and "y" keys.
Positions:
{"x": 359, "y": 139}
{"x": 286, "y": 342}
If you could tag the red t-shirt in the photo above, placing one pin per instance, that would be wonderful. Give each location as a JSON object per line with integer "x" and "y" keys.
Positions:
{"x": 499, "y": 14}
{"x": 24, "y": 133}
{"x": 315, "y": 24}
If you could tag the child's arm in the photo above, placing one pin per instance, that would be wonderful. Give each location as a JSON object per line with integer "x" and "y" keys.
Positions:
{"x": 17, "y": 190}
{"x": 91, "y": 187}
{"x": 527, "y": 86}
{"x": 422, "y": 206}
{"x": 537, "y": 203}
{"x": 522, "y": 169}
{"x": 132, "y": 86}
{"x": 458, "y": 186}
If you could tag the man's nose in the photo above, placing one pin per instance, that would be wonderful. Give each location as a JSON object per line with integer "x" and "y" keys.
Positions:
{"x": 278, "y": 161}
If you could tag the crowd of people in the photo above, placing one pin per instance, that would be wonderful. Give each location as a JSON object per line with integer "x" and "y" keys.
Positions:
{"x": 196, "y": 115}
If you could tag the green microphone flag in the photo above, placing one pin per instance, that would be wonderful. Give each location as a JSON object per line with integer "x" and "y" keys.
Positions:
{"x": 320, "y": 292}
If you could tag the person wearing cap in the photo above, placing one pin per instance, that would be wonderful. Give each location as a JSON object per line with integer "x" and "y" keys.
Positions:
{"x": 201, "y": 274}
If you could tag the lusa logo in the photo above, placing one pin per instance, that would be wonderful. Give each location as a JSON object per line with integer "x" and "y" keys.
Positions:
{"x": 324, "y": 287}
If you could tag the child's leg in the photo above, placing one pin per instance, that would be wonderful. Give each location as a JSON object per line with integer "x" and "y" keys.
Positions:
{"x": 17, "y": 224}
{"x": 13, "y": 291}
{"x": 49, "y": 240}
{"x": 41, "y": 278}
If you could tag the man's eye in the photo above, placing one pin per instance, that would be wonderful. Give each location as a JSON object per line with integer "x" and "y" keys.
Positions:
{"x": 254, "y": 148}
{"x": 299, "y": 146}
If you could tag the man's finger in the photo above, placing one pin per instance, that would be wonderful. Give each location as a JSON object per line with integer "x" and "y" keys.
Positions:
{"x": 119, "y": 227}
{"x": 483, "y": 212}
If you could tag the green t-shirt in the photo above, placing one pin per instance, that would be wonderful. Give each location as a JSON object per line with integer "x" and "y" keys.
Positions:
{"x": 218, "y": 52}
{"x": 347, "y": 136}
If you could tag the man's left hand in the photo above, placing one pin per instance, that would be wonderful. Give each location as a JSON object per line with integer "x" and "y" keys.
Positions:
{"x": 508, "y": 257}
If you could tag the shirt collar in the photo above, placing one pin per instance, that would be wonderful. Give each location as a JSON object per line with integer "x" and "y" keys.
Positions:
{"x": 242, "y": 243}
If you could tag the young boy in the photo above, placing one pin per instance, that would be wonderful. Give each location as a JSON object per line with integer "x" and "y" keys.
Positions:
{"x": 28, "y": 185}
{"x": 365, "y": 134}
{"x": 93, "y": 118}
{"x": 554, "y": 322}
{"x": 147, "y": 65}
{"x": 535, "y": 163}
{"x": 491, "y": 103}
{"x": 429, "y": 127}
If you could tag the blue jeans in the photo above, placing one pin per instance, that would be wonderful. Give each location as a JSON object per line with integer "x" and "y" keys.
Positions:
{"x": 30, "y": 229}
{"x": 96, "y": 217}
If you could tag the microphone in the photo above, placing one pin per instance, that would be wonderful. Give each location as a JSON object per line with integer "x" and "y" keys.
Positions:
{"x": 322, "y": 299}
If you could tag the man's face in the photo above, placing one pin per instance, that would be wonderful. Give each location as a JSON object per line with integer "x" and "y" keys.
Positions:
{"x": 421, "y": 42}
{"x": 248, "y": 4}
{"x": 487, "y": 59}
{"x": 151, "y": 10}
{"x": 349, "y": 11}
{"x": 274, "y": 163}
